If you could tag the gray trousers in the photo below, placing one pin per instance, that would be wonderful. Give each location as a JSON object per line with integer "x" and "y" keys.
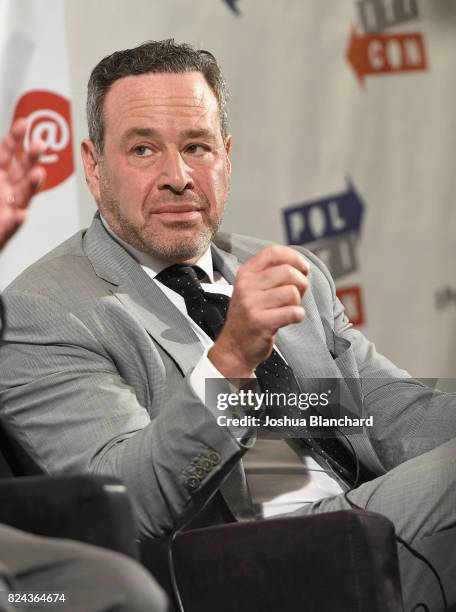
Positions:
{"x": 419, "y": 497}
{"x": 92, "y": 579}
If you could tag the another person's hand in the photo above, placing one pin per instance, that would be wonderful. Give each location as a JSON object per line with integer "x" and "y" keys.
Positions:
{"x": 267, "y": 295}
{"x": 20, "y": 178}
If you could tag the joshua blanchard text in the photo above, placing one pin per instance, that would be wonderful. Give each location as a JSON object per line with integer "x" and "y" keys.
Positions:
{"x": 285, "y": 421}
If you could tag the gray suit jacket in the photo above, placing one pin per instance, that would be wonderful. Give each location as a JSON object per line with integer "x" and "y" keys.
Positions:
{"x": 94, "y": 376}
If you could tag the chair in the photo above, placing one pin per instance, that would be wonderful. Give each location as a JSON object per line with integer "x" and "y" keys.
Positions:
{"x": 91, "y": 509}
{"x": 335, "y": 562}
{"x": 88, "y": 508}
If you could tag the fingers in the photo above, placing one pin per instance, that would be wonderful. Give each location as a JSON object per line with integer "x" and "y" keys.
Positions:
{"x": 284, "y": 274}
{"x": 31, "y": 157}
{"x": 20, "y": 166}
{"x": 276, "y": 318}
{"x": 287, "y": 270}
{"x": 12, "y": 142}
{"x": 286, "y": 295}
{"x": 26, "y": 189}
{"x": 20, "y": 177}
{"x": 18, "y": 129}
{"x": 15, "y": 167}
{"x": 270, "y": 310}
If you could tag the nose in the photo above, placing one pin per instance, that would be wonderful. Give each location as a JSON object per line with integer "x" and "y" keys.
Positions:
{"x": 174, "y": 174}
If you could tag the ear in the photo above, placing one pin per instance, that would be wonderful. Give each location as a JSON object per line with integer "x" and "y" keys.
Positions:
{"x": 228, "y": 150}
{"x": 91, "y": 168}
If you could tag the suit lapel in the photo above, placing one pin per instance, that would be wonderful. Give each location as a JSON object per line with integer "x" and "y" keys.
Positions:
{"x": 141, "y": 297}
{"x": 226, "y": 263}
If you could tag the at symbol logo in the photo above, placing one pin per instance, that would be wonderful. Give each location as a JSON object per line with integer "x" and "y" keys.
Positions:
{"x": 49, "y": 120}
{"x": 49, "y": 127}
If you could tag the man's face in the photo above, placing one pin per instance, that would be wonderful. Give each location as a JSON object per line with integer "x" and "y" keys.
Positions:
{"x": 163, "y": 179}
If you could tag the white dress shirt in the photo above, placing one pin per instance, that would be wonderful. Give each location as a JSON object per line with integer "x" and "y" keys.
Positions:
{"x": 279, "y": 479}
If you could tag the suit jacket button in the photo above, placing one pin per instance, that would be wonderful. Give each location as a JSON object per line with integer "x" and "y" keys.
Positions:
{"x": 192, "y": 483}
{"x": 214, "y": 457}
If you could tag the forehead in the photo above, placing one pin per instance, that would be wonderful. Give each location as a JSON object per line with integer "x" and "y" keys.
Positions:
{"x": 160, "y": 98}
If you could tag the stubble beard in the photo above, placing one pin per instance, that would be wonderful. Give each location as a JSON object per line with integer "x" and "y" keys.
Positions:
{"x": 189, "y": 242}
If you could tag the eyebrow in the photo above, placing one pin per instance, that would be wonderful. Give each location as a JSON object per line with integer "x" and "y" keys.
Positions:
{"x": 138, "y": 131}
{"x": 201, "y": 133}
{"x": 153, "y": 133}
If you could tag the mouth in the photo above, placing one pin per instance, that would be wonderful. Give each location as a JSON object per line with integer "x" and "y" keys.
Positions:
{"x": 182, "y": 212}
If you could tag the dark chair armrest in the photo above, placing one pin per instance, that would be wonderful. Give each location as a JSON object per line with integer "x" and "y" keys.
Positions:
{"x": 342, "y": 561}
{"x": 91, "y": 509}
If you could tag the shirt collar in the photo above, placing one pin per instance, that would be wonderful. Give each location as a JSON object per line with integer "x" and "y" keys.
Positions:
{"x": 156, "y": 264}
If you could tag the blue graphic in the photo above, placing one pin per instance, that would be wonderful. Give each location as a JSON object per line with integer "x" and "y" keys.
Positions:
{"x": 233, "y": 7}
{"x": 329, "y": 217}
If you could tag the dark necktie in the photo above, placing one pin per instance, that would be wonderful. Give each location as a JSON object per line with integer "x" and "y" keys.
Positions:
{"x": 209, "y": 310}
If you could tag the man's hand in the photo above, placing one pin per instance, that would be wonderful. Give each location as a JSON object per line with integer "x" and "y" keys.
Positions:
{"x": 267, "y": 295}
{"x": 20, "y": 178}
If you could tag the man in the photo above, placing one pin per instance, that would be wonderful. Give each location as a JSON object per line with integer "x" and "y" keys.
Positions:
{"x": 89, "y": 579}
{"x": 110, "y": 342}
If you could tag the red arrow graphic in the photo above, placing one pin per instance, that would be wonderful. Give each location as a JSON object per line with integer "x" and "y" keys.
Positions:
{"x": 386, "y": 53}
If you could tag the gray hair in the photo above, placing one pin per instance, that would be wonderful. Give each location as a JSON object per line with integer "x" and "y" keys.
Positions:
{"x": 164, "y": 56}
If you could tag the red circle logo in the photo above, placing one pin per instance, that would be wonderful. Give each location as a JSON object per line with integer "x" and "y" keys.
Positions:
{"x": 49, "y": 120}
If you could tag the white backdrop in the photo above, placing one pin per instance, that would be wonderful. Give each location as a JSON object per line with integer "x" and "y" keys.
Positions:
{"x": 34, "y": 83}
{"x": 365, "y": 162}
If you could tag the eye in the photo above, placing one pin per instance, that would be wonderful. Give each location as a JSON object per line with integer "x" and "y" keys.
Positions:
{"x": 196, "y": 149}
{"x": 142, "y": 151}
